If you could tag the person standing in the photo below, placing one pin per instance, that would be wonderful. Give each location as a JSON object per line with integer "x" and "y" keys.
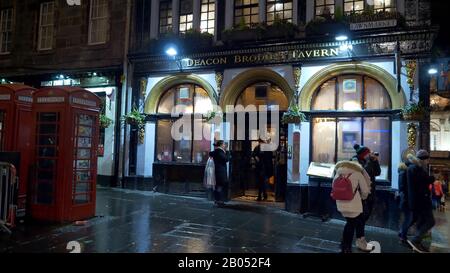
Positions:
{"x": 369, "y": 161}
{"x": 352, "y": 210}
{"x": 408, "y": 220}
{"x": 419, "y": 196}
{"x": 221, "y": 157}
{"x": 264, "y": 169}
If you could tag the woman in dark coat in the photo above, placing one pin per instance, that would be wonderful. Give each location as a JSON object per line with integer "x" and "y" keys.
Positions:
{"x": 221, "y": 156}
{"x": 408, "y": 220}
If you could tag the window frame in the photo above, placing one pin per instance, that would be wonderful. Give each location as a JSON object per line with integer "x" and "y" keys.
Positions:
{"x": 186, "y": 22}
{"x": 362, "y": 114}
{"x": 275, "y": 2}
{"x": 392, "y": 7}
{"x": 323, "y": 6}
{"x": 208, "y": 20}
{"x": 168, "y": 117}
{"x": 91, "y": 20}
{"x": 6, "y": 32}
{"x": 242, "y": 7}
{"x": 168, "y": 10}
{"x": 41, "y": 26}
{"x": 353, "y": 6}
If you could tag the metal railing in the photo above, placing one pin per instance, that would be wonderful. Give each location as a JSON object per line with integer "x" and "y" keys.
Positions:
{"x": 8, "y": 192}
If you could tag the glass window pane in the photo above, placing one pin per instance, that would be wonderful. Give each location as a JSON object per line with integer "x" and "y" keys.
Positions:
{"x": 164, "y": 142}
{"x": 202, "y": 147}
{"x": 377, "y": 135}
{"x": 203, "y": 103}
{"x": 166, "y": 103}
{"x": 325, "y": 98}
{"x": 324, "y": 129}
{"x": 376, "y": 96}
{"x": 349, "y": 98}
{"x": 184, "y": 96}
{"x": 349, "y": 134}
{"x": 182, "y": 150}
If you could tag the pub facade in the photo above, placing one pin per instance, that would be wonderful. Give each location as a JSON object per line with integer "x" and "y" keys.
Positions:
{"x": 349, "y": 66}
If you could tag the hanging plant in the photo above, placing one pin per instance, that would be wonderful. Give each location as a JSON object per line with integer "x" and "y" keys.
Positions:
{"x": 293, "y": 115}
{"x": 211, "y": 115}
{"x": 134, "y": 118}
{"x": 104, "y": 121}
{"x": 414, "y": 111}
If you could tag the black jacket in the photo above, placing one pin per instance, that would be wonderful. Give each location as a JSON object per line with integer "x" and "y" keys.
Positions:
{"x": 418, "y": 181}
{"x": 264, "y": 164}
{"x": 373, "y": 169}
{"x": 220, "y": 163}
{"x": 403, "y": 185}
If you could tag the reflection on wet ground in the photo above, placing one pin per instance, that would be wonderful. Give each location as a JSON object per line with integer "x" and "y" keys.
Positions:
{"x": 141, "y": 222}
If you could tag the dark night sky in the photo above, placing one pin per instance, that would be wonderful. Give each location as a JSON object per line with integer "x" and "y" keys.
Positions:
{"x": 441, "y": 16}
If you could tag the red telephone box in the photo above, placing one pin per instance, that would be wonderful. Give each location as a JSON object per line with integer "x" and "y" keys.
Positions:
{"x": 16, "y": 122}
{"x": 65, "y": 154}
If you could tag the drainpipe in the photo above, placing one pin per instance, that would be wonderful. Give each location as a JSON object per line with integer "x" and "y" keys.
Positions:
{"x": 121, "y": 131}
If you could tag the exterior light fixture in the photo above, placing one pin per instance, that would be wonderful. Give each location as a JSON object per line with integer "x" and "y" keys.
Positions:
{"x": 94, "y": 74}
{"x": 346, "y": 47}
{"x": 432, "y": 71}
{"x": 61, "y": 76}
{"x": 172, "y": 52}
{"x": 341, "y": 38}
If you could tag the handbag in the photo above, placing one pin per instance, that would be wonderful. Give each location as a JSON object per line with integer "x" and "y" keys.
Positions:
{"x": 209, "y": 180}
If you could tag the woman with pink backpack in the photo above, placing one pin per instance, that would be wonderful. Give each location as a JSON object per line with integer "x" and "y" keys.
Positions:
{"x": 351, "y": 185}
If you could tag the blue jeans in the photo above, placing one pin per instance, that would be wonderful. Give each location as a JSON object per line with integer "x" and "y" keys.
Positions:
{"x": 408, "y": 222}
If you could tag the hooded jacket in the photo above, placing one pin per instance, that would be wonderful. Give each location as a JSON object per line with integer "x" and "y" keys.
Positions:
{"x": 418, "y": 181}
{"x": 359, "y": 178}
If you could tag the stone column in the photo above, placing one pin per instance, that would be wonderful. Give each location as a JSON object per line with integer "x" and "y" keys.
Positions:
{"x": 424, "y": 98}
{"x": 154, "y": 29}
{"x": 196, "y": 12}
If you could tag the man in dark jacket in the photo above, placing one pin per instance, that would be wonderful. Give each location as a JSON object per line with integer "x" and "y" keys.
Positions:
{"x": 408, "y": 220}
{"x": 221, "y": 156}
{"x": 264, "y": 169}
{"x": 419, "y": 198}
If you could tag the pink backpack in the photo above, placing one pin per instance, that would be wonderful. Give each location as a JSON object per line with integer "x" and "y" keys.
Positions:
{"x": 342, "y": 189}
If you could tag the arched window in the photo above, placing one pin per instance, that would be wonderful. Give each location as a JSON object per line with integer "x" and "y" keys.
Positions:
{"x": 349, "y": 110}
{"x": 187, "y": 100}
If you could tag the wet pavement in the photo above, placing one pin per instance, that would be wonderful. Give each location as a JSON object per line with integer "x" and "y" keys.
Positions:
{"x": 143, "y": 222}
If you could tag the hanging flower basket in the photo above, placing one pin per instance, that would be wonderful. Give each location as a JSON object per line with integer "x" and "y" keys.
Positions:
{"x": 134, "y": 118}
{"x": 293, "y": 115}
{"x": 104, "y": 121}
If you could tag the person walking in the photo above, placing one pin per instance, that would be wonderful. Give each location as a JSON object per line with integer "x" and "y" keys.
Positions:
{"x": 220, "y": 156}
{"x": 436, "y": 194}
{"x": 419, "y": 197}
{"x": 408, "y": 220}
{"x": 352, "y": 208}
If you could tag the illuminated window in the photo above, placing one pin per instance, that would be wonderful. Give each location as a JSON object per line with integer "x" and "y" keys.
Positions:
{"x": 279, "y": 10}
{"x": 186, "y": 15}
{"x": 352, "y": 6}
{"x": 340, "y": 119}
{"x": 384, "y": 5}
{"x": 324, "y": 8}
{"x": 208, "y": 15}
{"x": 246, "y": 12}
{"x": 98, "y": 22}
{"x": 46, "y": 22}
{"x": 165, "y": 17}
{"x": 191, "y": 101}
{"x": 6, "y": 30}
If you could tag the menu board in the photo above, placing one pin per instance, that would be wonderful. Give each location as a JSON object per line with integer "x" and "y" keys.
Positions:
{"x": 323, "y": 170}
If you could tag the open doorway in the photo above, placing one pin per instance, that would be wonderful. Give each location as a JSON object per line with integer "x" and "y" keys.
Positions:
{"x": 243, "y": 170}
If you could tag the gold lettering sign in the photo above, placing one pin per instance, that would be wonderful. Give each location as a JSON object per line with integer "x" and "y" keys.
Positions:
{"x": 278, "y": 57}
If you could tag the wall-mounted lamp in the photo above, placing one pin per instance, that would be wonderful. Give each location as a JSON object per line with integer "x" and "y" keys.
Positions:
{"x": 109, "y": 94}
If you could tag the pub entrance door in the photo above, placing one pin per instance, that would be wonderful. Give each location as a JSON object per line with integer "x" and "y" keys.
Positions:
{"x": 243, "y": 172}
